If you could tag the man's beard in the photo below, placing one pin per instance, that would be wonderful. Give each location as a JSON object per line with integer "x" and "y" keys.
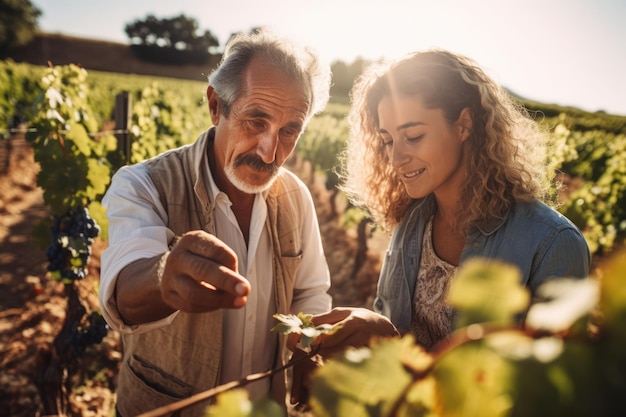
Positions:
{"x": 255, "y": 162}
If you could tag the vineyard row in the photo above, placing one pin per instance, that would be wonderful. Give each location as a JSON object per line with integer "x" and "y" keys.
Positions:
{"x": 68, "y": 113}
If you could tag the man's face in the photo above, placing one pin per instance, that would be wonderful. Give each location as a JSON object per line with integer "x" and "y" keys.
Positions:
{"x": 261, "y": 130}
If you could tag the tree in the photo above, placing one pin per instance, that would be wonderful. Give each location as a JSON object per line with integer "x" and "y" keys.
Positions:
{"x": 344, "y": 75}
{"x": 18, "y": 23}
{"x": 171, "y": 40}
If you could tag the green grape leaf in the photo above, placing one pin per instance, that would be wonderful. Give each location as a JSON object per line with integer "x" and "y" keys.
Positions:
{"x": 473, "y": 381}
{"x": 487, "y": 291}
{"x": 266, "y": 407}
{"x": 98, "y": 213}
{"x": 233, "y": 403}
{"x": 613, "y": 296}
{"x": 236, "y": 403}
{"x": 290, "y": 323}
{"x": 515, "y": 345}
{"x": 78, "y": 135}
{"x": 108, "y": 144}
{"x": 98, "y": 175}
{"x": 420, "y": 399}
{"x": 363, "y": 381}
{"x": 611, "y": 361}
{"x": 416, "y": 359}
{"x": 563, "y": 383}
{"x": 303, "y": 325}
{"x": 567, "y": 301}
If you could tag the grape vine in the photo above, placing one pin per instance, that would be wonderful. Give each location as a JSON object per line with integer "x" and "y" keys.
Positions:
{"x": 18, "y": 91}
{"x": 72, "y": 236}
{"x": 74, "y": 175}
{"x": 159, "y": 123}
{"x": 77, "y": 161}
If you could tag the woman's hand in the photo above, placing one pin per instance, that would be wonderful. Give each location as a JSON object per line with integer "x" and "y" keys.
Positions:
{"x": 358, "y": 326}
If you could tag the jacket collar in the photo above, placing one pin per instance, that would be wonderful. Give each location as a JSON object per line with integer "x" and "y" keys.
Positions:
{"x": 426, "y": 207}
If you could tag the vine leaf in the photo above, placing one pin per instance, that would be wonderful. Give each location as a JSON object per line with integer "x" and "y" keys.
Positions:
{"x": 473, "y": 381}
{"x": 613, "y": 297}
{"x": 302, "y": 324}
{"x": 362, "y": 381}
{"x": 236, "y": 403}
{"x": 487, "y": 291}
{"x": 566, "y": 301}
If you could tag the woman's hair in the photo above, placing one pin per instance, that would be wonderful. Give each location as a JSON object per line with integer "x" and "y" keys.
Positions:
{"x": 506, "y": 148}
{"x": 298, "y": 63}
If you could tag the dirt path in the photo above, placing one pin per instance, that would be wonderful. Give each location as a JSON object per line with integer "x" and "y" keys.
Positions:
{"x": 21, "y": 208}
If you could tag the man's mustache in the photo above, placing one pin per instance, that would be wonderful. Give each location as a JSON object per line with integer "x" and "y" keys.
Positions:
{"x": 255, "y": 162}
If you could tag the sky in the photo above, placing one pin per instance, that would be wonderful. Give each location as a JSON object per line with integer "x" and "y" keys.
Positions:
{"x": 565, "y": 52}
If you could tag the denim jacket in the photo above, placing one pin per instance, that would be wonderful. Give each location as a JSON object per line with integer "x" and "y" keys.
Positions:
{"x": 534, "y": 237}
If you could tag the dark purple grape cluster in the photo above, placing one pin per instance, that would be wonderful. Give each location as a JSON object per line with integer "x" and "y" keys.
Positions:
{"x": 91, "y": 333}
{"x": 72, "y": 235}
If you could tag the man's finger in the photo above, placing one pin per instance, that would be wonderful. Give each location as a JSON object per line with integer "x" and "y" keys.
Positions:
{"x": 212, "y": 274}
{"x": 193, "y": 297}
{"x": 207, "y": 246}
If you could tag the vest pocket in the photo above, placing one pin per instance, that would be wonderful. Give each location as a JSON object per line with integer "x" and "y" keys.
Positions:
{"x": 144, "y": 386}
{"x": 290, "y": 266}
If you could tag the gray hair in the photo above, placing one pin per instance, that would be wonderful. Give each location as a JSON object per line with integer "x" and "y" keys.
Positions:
{"x": 299, "y": 63}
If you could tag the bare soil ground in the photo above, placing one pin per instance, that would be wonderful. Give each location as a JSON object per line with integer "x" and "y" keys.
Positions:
{"x": 33, "y": 307}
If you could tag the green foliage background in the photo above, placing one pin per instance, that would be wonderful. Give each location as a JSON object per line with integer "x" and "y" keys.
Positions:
{"x": 589, "y": 149}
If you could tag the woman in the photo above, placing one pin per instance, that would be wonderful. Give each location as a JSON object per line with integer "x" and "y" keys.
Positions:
{"x": 440, "y": 154}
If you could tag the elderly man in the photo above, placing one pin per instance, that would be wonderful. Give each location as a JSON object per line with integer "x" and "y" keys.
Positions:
{"x": 208, "y": 241}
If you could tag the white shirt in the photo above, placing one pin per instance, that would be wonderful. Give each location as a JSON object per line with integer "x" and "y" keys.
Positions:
{"x": 137, "y": 229}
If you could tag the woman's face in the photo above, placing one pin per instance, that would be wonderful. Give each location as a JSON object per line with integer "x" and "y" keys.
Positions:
{"x": 424, "y": 148}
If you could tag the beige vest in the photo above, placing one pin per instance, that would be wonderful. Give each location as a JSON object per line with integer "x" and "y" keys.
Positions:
{"x": 173, "y": 362}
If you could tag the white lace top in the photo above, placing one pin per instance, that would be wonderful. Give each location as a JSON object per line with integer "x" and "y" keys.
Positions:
{"x": 431, "y": 318}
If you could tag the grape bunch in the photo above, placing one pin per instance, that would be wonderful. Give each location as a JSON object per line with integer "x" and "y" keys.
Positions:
{"x": 91, "y": 333}
{"x": 72, "y": 235}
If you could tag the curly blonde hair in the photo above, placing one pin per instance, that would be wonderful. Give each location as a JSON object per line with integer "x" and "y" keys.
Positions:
{"x": 507, "y": 158}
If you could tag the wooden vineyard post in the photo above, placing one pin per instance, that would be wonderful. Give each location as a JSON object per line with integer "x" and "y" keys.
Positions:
{"x": 122, "y": 120}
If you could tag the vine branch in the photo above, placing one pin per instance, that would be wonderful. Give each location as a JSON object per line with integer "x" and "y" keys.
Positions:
{"x": 210, "y": 393}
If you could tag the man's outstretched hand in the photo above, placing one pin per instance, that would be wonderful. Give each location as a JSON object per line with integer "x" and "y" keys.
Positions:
{"x": 201, "y": 274}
